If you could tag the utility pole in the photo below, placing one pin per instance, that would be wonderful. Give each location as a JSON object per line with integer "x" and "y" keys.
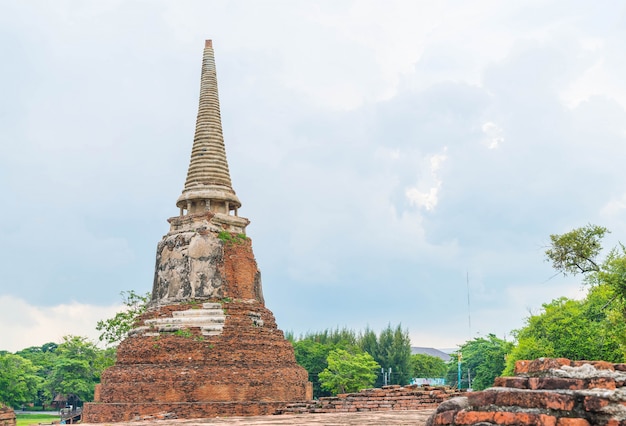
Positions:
{"x": 459, "y": 370}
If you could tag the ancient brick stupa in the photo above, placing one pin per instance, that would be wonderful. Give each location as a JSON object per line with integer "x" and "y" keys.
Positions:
{"x": 207, "y": 345}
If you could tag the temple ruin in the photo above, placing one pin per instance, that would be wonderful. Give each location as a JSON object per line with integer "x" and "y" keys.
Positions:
{"x": 207, "y": 346}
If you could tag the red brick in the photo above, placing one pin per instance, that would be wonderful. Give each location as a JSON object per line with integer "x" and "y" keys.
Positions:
{"x": 515, "y": 418}
{"x": 445, "y": 418}
{"x": 543, "y": 365}
{"x": 545, "y": 420}
{"x": 572, "y": 422}
{"x": 482, "y": 399}
{"x": 464, "y": 417}
{"x": 600, "y": 365}
{"x": 511, "y": 382}
{"x": 602, "y": 383}
{"x": 594, "y": 403}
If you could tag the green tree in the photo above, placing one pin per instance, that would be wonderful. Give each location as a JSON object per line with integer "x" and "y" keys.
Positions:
{"x": 394, "y": 351}
{"x": 347, "y": 372}
{"x": 579, "y": 252}
{"x": 574, "y": 329}
{"x": 77, "y": 368}
{"x": 576, "y": 252}
{"x": 428, "y": 366}
{"x": 43, "y": 358}
{"x": 312, "y": 356}
{"x": 312, "y": 350}
{"x": 482, "y": 359}
{"x": 114, "y": 330}
{"x": 18, "y": 380}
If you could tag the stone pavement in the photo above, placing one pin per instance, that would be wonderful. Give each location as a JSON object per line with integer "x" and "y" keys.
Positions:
{"x": 370, "y": 418}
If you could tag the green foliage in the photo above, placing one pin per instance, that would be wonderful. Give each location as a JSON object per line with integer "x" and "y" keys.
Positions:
{"x": 37, "y": 374}
{"x": 576, "y": 251}
{"x": 184, "y": 332}
{"x": 313, "y": 348}
{"x": 483, "y": 357}
{"x": 348, "y": 372}
{"x": 574, "y": 329}
{"x": 312, "y": 356}
{"x": 18, "y": 380}
{"x": 393, "y": 350}
{"x": 77, "y": 368}
{"x": 115, "y": 329}
{"x": 428, "y": 366}
{"x": 227, "y": 237}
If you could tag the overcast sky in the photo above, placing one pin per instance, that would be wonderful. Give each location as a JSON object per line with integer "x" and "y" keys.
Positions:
{"x": 384, "y": 151}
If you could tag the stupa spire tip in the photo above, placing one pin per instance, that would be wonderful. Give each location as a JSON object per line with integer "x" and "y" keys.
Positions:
{"x": 208, "y": 43}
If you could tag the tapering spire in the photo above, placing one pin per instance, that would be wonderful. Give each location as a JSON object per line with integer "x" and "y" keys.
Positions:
{"x": 208, "y": 186}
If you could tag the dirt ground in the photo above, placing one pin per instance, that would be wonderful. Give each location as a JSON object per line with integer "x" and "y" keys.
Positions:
{"x": 371, "y": 418}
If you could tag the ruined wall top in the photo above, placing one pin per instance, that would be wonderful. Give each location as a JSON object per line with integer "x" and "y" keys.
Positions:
{"x": 208, "y": 185}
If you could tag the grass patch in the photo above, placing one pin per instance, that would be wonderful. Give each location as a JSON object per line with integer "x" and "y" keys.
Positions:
{"x": 29, "y": 419}
{"x": 229, "y": 238}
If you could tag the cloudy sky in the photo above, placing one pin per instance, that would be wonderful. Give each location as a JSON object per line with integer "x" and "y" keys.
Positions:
{"x": 385, "y": 151}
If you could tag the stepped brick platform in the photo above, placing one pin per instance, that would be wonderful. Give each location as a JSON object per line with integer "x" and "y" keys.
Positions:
{"x": 207, "y": 345}
{"x": 387, "y": 398}
{"x": 7, "y": 416}
{"x": 240, "y": 365}
{"x": 545, "y": 392}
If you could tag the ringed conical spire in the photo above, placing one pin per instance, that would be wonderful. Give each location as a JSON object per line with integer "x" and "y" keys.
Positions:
{"x": 208, "y": 186}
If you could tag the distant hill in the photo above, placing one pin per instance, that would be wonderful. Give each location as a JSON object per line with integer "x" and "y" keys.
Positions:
{"x": 430, "y": 351}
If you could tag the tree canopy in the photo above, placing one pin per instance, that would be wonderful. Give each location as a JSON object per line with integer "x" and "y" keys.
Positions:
{"x": 39, "y": 373}
{"x": 348, "y": 372}
{"x": 391, "y": 349}
{"x": 114, "y": 330}
{"x": 428, "y": 366}
{"x": 574, "y": 329}
{"x": 482, "y": 360}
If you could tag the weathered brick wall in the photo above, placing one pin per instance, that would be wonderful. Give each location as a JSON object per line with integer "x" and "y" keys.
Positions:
{"x": 545, "y": 392}
{"x": 387, "y": 398}
{"x": 248, "y": 369}
{"x": 240, "y": 271}
{"x": 7, "y": 416}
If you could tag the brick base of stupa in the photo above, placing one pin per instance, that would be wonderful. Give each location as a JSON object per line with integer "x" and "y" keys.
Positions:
{"x": 247, "y": 369}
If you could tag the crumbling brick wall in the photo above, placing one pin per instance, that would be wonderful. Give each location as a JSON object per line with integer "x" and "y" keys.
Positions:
{"x": 248, "y": 369}
{"x": 545, "y": 392}
{"x": 387, "y": 398}
{"x": 7, "y": 416}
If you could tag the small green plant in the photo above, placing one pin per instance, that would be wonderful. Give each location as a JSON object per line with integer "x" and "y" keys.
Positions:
{"x": 184, "y": 332}
{"x": 226, "y": 299}
{"x": 199, "y": 338}
{"x": 194, "y": 304}
{"x": 227, "y": 237}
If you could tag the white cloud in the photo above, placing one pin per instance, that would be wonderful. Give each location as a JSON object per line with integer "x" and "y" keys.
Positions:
{"x": 24, "y": 325}
{"x": 616, "y": 206}
{"x": 494, "y": 135}
{"x": 425, "y": 194}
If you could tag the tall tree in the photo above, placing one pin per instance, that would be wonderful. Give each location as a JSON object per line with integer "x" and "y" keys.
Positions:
{"x": 77, "y": 368}
{"x": 394, "y": 351}
{"x": 312, "y": 356}
{"x": 428, "y": 366}
{"x": 579, "y": 252}
{"x": 18, "y": 380}
{"x": 482, "y": 360}
{"x": 43, "y": 358}
{"x": 348, "y": 372}
{"x": 574, "y": 329}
